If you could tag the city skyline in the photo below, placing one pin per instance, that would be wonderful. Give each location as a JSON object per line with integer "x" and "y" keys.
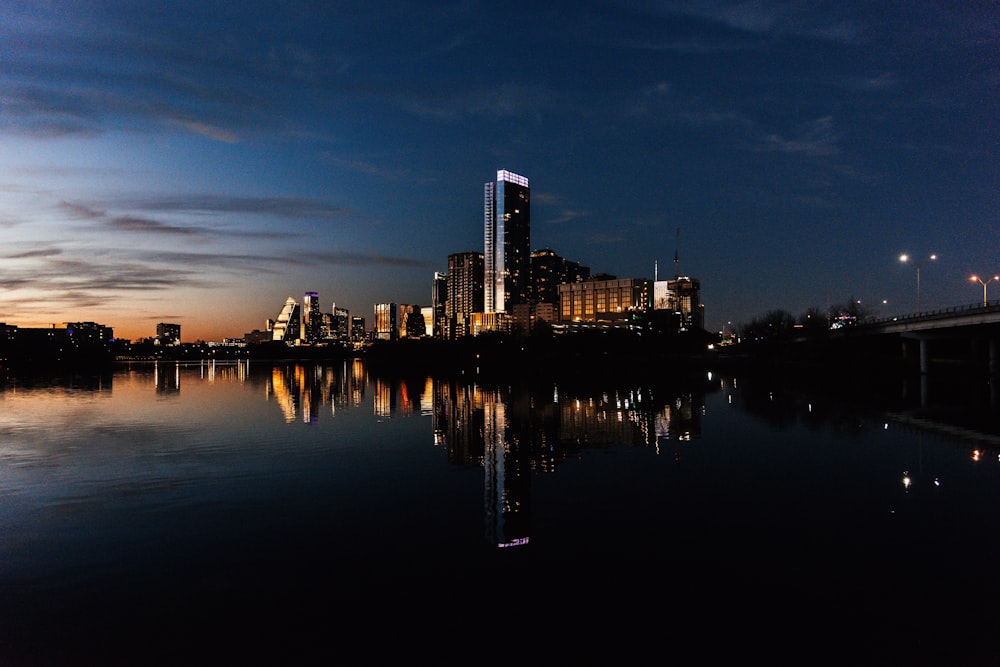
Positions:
{"x": 199, "y": 164}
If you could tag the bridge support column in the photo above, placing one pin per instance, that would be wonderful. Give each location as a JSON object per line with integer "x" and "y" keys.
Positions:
{"x": 925, "y": 363}
{"x": 994, "y": 358}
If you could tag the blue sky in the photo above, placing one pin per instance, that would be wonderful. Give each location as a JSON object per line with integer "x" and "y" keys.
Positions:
{"x": 199, "y": 162}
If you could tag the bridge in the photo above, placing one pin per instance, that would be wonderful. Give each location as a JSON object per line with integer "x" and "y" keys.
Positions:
{"x": 968, "y": 335}
{"x": 975, "y": 315}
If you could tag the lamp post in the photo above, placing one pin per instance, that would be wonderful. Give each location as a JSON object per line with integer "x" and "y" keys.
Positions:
{"x": 977, "y": 279}
{"x": 906, "y": 258}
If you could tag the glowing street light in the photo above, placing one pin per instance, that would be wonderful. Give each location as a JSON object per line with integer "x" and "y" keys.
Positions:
{"x": 977, "y": 279}
{"x": 906, "y": 258}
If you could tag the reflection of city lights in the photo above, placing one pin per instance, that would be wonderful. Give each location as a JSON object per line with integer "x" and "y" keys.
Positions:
{"x": 907, "y": 481}
{"x": 514, "y": 543}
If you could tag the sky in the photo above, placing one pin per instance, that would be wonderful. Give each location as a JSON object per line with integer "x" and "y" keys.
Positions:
{"x": 200, "y": 162}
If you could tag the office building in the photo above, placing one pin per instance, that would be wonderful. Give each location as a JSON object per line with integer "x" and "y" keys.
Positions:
{"x": 167, "y": 334}
{"x": 358, "y": 331}
{"x": 611, "y": 301}
{"x": 439, "y": 299}
{"x": 311, "y": 329}
{"x": 286, "y": 327}
{"x": 548, "y": 271}
{"x": 507, "y": 232}
{"x": 465, "y": 292}
{"x": 385, "y": 322}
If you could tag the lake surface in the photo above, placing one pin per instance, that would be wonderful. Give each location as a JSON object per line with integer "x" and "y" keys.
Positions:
{"x": 312, "y": 514}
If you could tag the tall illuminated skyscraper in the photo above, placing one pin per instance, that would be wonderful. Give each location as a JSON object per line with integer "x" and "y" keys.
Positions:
{"x": 311, "y": 329}
{"x": 507, "y": 255}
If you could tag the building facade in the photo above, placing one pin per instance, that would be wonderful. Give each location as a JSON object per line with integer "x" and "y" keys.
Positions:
{"x": 168, "y": 334}
{"x": 465, "y": 292}
{"x": 286, "y": 326}
{"x": 385, "y": 321}
{"x": 613, "y": 301}
{"x": 439, "y": 301}
{"x": 507, "y": 242}
{"x": 311, "y": 328}
{"x": 548, "y": 271}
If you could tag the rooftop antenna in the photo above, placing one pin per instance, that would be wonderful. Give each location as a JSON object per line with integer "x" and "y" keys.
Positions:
{"x": 677, "y": 273}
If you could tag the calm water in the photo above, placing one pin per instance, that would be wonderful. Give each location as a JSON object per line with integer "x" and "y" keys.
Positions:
{"x": 298, "y": 514}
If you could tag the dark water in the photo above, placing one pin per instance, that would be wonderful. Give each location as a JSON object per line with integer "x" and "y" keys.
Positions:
{"x": 302, "y": 514}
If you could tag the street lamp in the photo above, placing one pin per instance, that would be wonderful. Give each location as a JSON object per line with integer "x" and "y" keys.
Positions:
{"x": 977, "y": 279}
{"x": 906, "y": 258}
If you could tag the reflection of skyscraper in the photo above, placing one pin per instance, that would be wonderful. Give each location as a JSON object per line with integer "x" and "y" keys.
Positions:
{"x": 167, "y": 378}
{"x": 384, "y": 398}
{"x": 506, "y": 461}
{"x": 507, "y": 232}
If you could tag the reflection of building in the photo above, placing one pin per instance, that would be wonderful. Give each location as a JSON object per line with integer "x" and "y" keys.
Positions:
{"x": 300, "y": 390}
{"x": 167, "y": 378}
{"x": 678, "y": 420}
{"x": 384, "y": 398}
{"x": 507, "y": 241}
{"x": 507, "y": 463}
{"x": 479, "y": 428}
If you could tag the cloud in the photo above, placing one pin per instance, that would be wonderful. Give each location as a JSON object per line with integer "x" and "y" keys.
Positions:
{"x": 363, "y": 259}
{"x": 31, "y": 254}
{"x": 773, "y": 18}
{"x": 126, "y": 223}
{"x": 286, "y": 207}
{"x": 567, "y": 215}
{"x": 209, "y": 131}
{"x": 815, "y": 138}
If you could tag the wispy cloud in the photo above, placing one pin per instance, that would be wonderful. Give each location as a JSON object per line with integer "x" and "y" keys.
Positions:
{"x": 31, "y": 254}
{"x": 286, "y": 207}
{"x": 815, "y": 138}
{"x": 363, "y": 259}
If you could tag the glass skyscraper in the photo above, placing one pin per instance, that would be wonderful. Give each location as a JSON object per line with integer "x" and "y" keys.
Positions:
{"x": 507, "y": 255}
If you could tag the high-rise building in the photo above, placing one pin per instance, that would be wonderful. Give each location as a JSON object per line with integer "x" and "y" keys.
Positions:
{"x": 609, "y": 301}
{"x": 410, "y": 321}
{"x": 311, "y": 330}
{"x": 548, "y": 271}
{"x": 358, "y": 330}
{"x": 340, "y": 324}
{"x": 385, "y": 321}
{"x": 439, "y": 299}
{"x": 507, "y": 232}
{"x": 465, "y": 291}
{"x": 168, "y": 334}
{"x": 286, "y": 326}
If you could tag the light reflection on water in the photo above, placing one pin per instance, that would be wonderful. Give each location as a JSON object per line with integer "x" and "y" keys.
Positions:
{"x": 206, "y": 486}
